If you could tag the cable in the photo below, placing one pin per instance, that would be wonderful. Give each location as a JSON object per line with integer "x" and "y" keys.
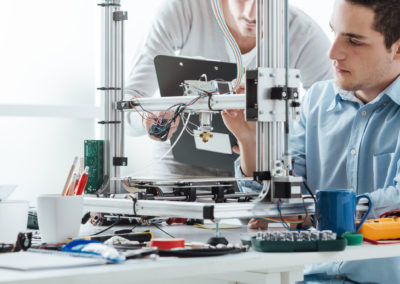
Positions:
{"x": 272, "y": 220}
{"x": 215, "y": 6}
{"x": 163, "y": 231}
{"x": 390, "y": 213}
{"x": 313, "y": 197}
{"x": 190, "y": 132}
{"x": 166, "y": 153}
{"x": 285, "y": 223}
{"x": 108, "y": 228}
{"x": 315, "y": 217}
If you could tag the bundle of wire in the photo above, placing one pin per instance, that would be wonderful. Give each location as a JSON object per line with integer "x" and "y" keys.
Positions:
{"x": 162, "y": 124}
{"x": 300, "y": 223}
{"x": 216, "y": 8}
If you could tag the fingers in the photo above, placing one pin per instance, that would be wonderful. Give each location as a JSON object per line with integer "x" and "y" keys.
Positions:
{"x": 231, "y": 112}
{"x": 152, "y": 119}
{"x": 236, "y": 150}
{"x": 255, "y": 224}
{"x": 240, "y": 89}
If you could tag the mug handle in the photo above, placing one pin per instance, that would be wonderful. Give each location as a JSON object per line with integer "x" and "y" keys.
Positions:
{"x": 369, "y": 209}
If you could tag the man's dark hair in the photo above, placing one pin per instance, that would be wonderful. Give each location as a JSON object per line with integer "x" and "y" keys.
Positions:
{"x": 387, "y": 17}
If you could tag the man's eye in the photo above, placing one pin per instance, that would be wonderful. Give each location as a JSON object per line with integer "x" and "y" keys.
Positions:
{"x": 353, "y": 42}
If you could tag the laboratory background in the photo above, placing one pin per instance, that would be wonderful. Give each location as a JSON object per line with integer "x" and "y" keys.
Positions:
{"x": 49, "y": 71}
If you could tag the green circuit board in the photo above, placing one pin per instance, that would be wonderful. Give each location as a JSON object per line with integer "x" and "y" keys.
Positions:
{"x": 94, "y": 159}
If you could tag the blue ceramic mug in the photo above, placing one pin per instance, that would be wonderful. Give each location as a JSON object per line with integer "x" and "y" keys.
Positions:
{"x": 337, "y": 210}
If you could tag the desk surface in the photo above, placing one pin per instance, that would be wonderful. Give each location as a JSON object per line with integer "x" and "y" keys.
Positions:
{"x": 137, "y": 271}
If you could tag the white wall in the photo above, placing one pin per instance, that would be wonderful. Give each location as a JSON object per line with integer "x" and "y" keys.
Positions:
{"x": 319, "y": 10}
{"x": 47, "y": 93}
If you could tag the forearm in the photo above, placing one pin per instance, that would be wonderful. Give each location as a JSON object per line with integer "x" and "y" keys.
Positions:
{"x": 248, "y": 156}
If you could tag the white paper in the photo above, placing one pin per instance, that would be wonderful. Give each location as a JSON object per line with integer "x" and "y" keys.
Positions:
{"x": 35, "y": 261}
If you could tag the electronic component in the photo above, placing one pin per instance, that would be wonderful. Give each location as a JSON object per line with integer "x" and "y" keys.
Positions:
{"x": 295, "y": 236}
{"x": 381, "y": 229}
{"x": 210, "y": 88}
{"x": 94, "y": 159}
{"x": 199, "y": 87}
{"x": 159, "y": 131}
{"x": 284, "y": 241}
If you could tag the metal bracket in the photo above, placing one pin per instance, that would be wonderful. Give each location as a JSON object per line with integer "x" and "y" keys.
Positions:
{"x": 109, "y": 122}
{"x": 120, "y": 16}
{"x": 120, "y": 161}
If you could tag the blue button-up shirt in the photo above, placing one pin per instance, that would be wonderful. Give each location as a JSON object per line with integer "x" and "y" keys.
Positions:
{"x": 340, "y": 142}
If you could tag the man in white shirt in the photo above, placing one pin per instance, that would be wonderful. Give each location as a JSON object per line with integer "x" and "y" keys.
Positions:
{"x": 188, "y": 28}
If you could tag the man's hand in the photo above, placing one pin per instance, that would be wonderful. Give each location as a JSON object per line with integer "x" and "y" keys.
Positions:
{"x": 258, "y": 224}
{"x": 153, "y": 119}
{"x": 234, "y": 120}
{"x": 245, "y": 133}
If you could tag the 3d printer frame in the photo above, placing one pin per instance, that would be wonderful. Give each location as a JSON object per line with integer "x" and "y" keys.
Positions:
{"x": 271, "y": 100}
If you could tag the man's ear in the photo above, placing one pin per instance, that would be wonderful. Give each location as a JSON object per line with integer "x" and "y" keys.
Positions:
{"x": 396, "y": 47}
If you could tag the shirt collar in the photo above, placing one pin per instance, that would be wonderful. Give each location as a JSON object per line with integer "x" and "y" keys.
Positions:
{"x": 392, "y": 91}
{"x": 343, "y": 95}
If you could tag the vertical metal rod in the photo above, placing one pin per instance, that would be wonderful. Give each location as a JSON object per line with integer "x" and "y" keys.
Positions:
{"x": 107, "y": 92}
{"x": 217, "y": 232}
{"x": 287, "y": 57}
{"x": 116, "y": 97}
{"x": 122, "y": 147}
{"x": 266, "y": 154}
{"x": 259, "y": 148}
{"x": 259, "y": 43}
{"x": 267, "y": 34}
{"x": 111, "y": 99}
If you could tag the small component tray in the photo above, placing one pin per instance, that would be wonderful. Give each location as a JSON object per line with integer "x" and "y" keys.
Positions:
{"x": 298, "y": 246}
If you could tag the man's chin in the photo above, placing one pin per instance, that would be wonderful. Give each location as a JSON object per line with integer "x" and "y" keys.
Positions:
{"x": 249, "y": 33}
{"x": 345, "y": 84}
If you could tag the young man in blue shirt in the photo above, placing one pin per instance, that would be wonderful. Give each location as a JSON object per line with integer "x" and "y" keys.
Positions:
{"x": 348, "y": 135}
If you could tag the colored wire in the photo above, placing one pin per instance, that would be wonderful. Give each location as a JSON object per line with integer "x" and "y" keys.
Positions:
{"x": 215, "y": 6}
{"x": 272, "y": 220}
{"x": 313, "y": 197}
{"x": 221, "y": 22}
{"x": 314, "y": 220}
{"x": 390, "y": 213}
{"x": 285, "y": 223}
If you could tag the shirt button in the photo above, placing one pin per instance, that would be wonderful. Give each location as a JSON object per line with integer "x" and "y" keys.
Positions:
{"x": 363, "y": 113}
{"x": 353, "y": 152}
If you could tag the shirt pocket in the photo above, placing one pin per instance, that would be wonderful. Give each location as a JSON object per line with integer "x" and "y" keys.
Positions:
{"x": 381, "y": 168}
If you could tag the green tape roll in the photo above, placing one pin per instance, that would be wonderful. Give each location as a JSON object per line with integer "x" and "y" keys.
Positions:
{"x": 353, "y": 239}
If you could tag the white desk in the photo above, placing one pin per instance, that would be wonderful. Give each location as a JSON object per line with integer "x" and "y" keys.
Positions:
{"x": 251, "y": 267}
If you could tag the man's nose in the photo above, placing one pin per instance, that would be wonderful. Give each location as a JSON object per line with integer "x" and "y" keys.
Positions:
{"x": 250, "y": 10}
{"x": 336, "y": 52}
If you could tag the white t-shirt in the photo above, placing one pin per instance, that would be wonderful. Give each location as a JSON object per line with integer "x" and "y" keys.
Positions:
{"x": 188, "y": 27}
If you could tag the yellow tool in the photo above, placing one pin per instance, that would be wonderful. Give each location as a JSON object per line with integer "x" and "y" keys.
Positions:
{"x": 381, "y": 229}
